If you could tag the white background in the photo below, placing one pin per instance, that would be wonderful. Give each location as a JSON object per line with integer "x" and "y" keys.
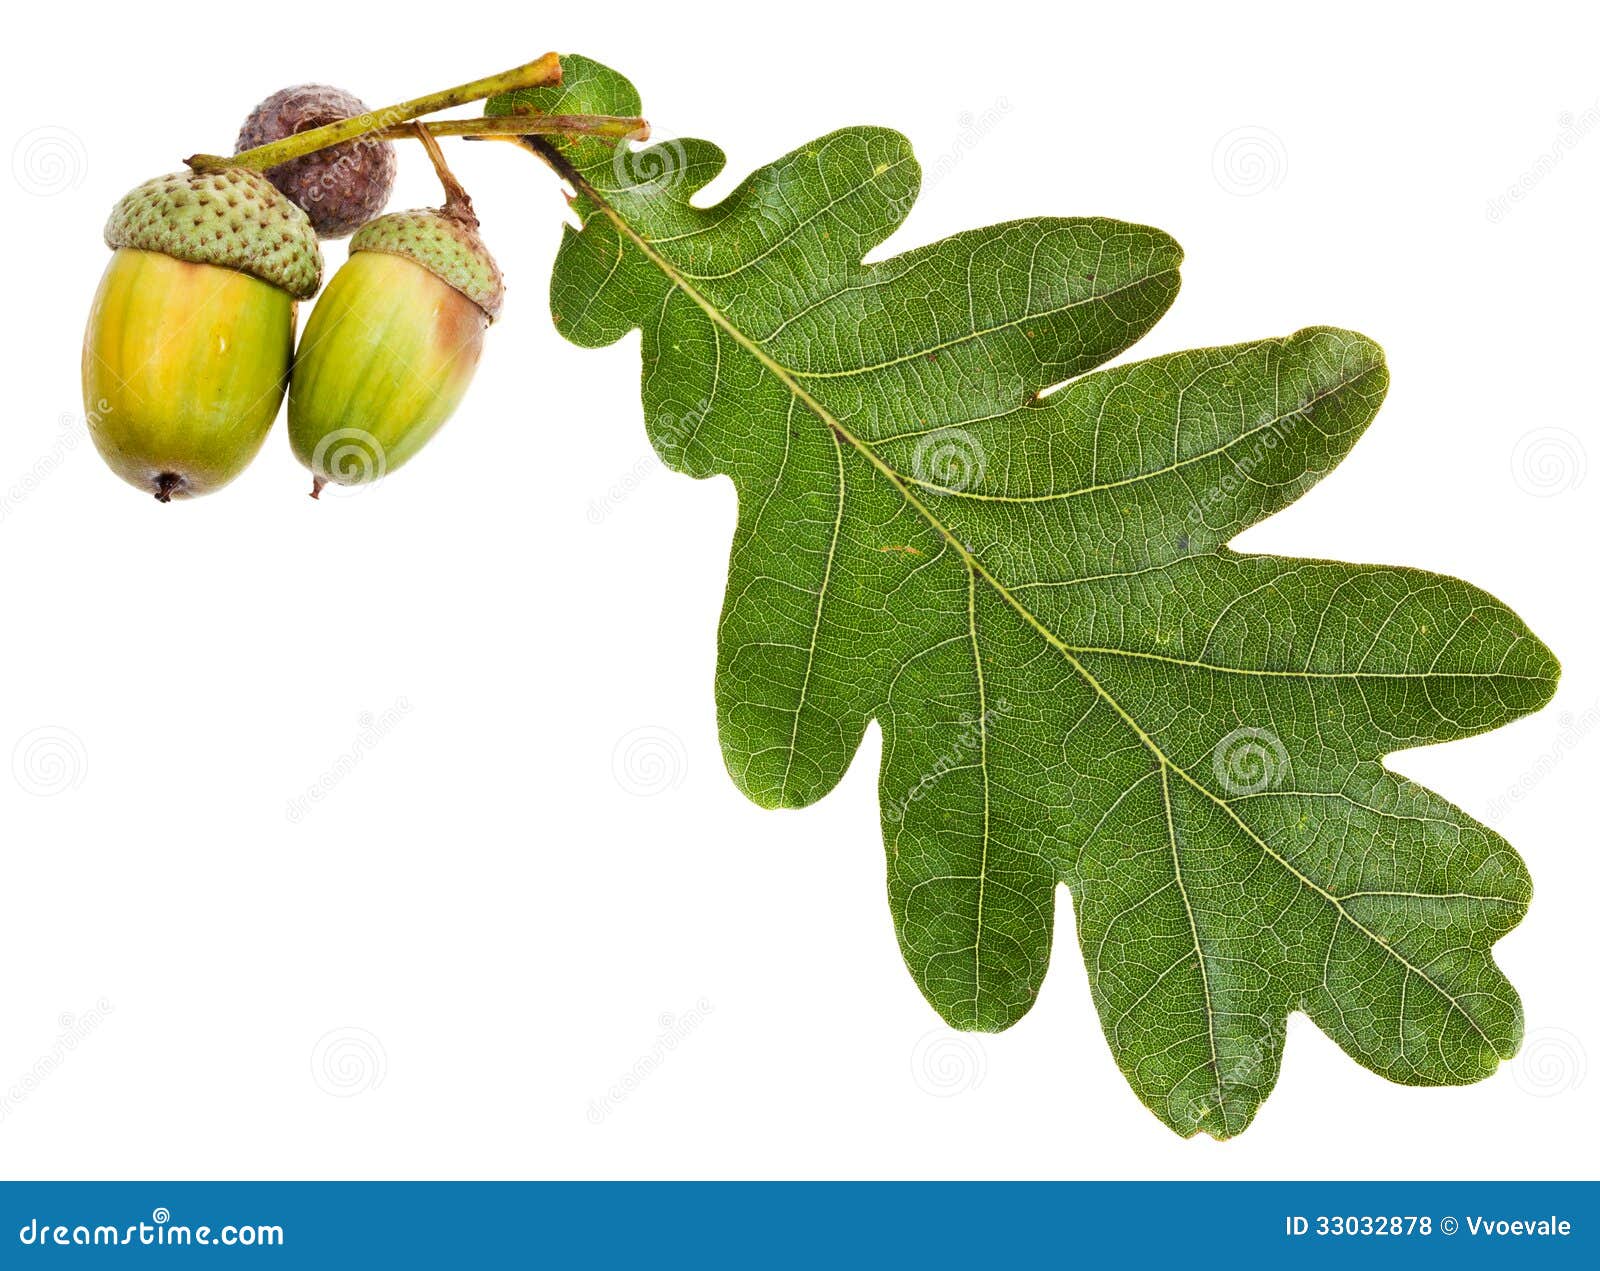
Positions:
{"x": 442, "y": 968}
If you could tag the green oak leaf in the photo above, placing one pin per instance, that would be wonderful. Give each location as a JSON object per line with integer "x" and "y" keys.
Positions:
{"x": 1077, "y": 681}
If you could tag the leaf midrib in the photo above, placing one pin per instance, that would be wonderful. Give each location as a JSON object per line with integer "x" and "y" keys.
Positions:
{"x": 783, "y": 375}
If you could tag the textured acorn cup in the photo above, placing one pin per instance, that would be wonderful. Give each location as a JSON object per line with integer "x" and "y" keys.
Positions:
{"x": 186, "y": 354}
{"x": 392, "y": 344}
{"x": 340, "y": 188}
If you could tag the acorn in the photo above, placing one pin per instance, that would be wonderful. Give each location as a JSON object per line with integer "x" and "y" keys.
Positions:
{"x": 394, "y": 340}
{"x": 187, "y": 351}
{"x": 340, "y": 188}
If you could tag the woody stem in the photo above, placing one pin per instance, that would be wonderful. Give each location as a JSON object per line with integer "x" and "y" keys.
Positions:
{"x": 536, "y": 74}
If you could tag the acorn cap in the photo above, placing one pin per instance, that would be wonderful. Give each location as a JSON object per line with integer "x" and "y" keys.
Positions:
{"x": 446, "y": 245}
{"x": 234, "y": 218}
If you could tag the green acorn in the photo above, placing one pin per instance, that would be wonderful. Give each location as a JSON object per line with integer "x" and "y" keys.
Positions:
{"x": 187, "y": 351}
{"x": 393, "y": 342}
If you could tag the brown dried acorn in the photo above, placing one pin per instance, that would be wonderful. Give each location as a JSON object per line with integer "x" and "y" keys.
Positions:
{"x": 187, "y": 350}
{"x": 340, "y": 188}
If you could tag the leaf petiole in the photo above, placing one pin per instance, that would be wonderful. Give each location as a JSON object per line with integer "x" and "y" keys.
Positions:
{"x": 500, "y": 127}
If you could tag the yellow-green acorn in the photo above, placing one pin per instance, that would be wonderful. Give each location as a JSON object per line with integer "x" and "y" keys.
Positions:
{"x": 190, "y": 339}
{"x": 392, "y": 344}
